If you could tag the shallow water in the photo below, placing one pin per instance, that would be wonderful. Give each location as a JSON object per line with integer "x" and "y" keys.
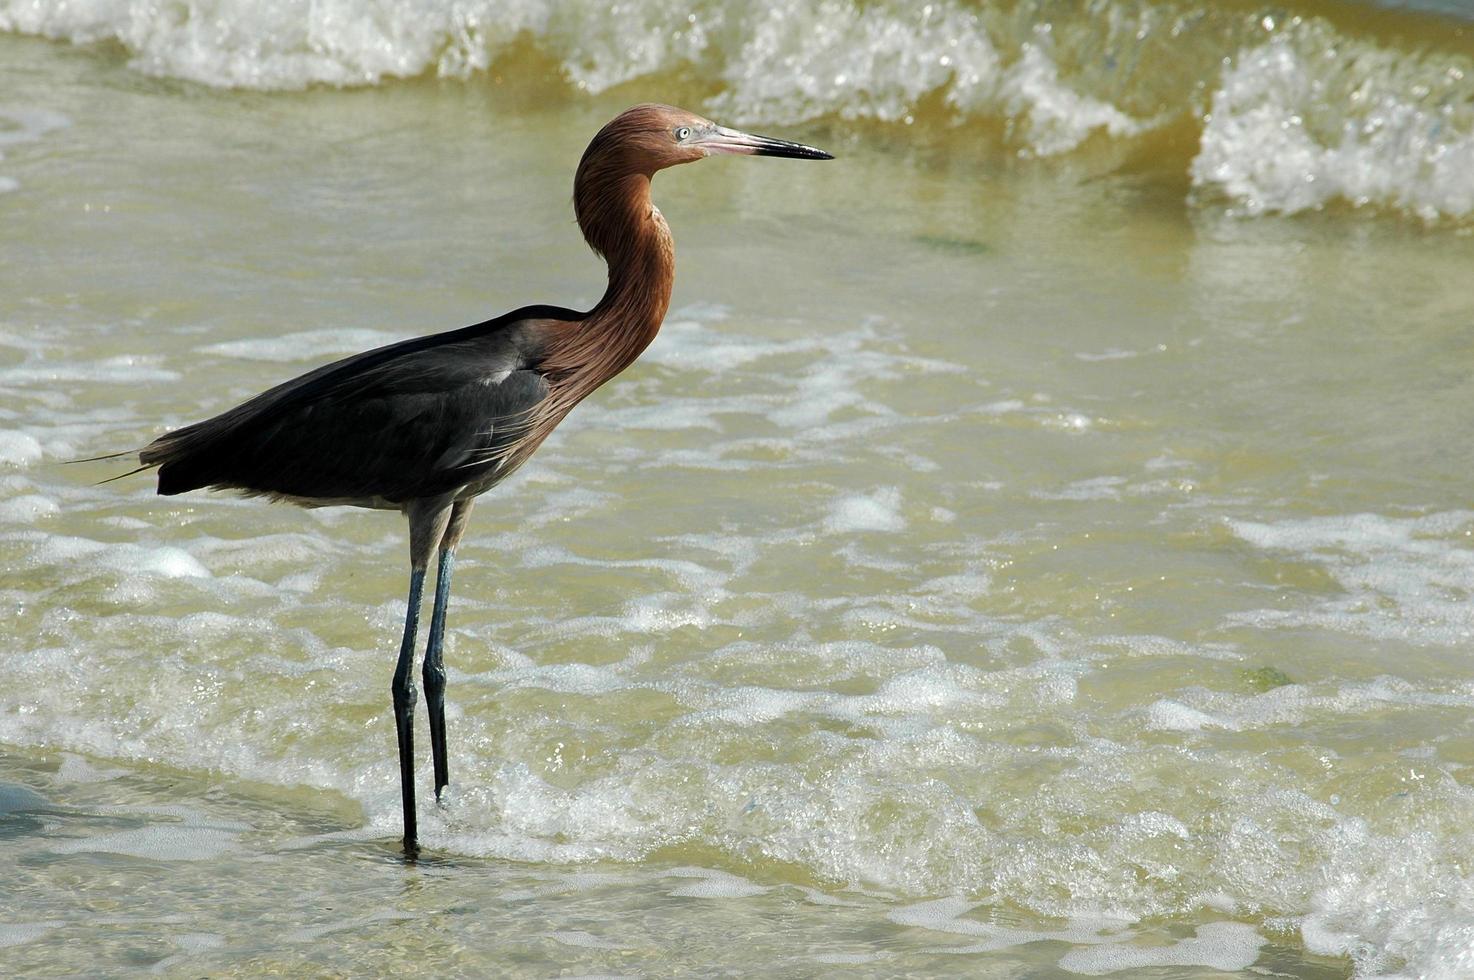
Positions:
{"x": 1014, "y": 557}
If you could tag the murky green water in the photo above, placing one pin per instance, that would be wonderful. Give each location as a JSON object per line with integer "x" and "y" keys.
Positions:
{"x": 1004, "y": 568}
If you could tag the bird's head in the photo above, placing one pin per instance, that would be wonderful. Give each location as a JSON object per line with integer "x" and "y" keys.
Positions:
{"x": 651, "y": 137}
{"x": 617, "y": 166}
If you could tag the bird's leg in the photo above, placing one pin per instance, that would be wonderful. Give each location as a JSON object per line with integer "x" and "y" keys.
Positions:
{"x": 403, "y": 690}
{"x": 435, "y": 670}
{"x": 434, "y": 659}
{"x": 427, "y": 522}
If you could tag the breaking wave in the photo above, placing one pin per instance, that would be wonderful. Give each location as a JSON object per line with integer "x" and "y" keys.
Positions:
{"x": 1337, "y": 105}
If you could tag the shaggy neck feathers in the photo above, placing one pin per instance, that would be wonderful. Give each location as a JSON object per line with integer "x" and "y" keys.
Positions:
{"x": 612, "y": 201}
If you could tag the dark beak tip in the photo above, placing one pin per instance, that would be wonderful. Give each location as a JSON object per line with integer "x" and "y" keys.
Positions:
{"x": 794, "y": 151}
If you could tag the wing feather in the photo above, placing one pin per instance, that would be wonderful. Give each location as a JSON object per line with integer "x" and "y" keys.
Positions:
{"x": 414, "y": 419}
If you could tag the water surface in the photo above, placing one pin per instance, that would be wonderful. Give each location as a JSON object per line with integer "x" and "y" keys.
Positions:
{"x": 1038, "y": 543}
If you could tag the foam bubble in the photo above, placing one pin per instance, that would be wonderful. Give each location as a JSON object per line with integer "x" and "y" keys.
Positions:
{"x": 753, "y": 706}
{"x": 1057, "y": 118}
{"x": 159, "y": 842}
{"x": 19, "y": 448}
{"x": 689, "y": 344}
{"x": 713, "y": 884}
{"x": 87, "y": 555}
{"x": 1227, "y": 946}
{"x": 878, "y": 511}
{"x": 1168, "y": 715}
{"x": 1401, "y": 578}
{"x": 28, "y": 509}
{"x": 946, "y": 915}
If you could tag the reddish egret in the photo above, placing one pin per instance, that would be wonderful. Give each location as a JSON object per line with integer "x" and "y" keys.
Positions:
{"x": 426, "y": 425}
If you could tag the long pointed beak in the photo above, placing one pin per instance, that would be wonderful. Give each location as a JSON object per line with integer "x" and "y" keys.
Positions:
{"x": 724, "y": 140}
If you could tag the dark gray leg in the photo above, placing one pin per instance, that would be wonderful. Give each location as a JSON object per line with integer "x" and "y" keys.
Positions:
{"x": 435, "y": 671}
{"x": 403, "y": 690}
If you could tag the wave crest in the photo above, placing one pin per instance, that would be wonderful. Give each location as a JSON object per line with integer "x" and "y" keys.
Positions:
{"x": 1290, "y": 113}
{"x": 1298, "y": 123}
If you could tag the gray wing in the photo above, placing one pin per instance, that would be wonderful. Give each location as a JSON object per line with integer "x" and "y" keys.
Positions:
{"x": 417, "y": 419}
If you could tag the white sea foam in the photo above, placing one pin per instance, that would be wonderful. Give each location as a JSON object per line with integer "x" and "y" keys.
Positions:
{"x": 708, "y": 883}
{"x": 1174, "y": 716}
{"x": 1293, "y": 704}
{"x": 186, "y": 836}
{"x": 123, "y": 369}
{"x": 309, "y": 345}
{"x": 689, "y": 344}
{"x": 28, "y": 509}
{"x": 785, "y": 61}
{"x": 1227, "y": 946}
{"x": 1095, "y": 488}
{"x": 885, "y": 791}
{"x": 19, "y": 448}
{"x": 1401, "y": 578}
{"x": 159, "y": 843}
{"x": 1290, "y": 131}
{"x": 878, "y": 511}
{"x": 946, "y": 915}
{"x": 1373, "y": 903}
{"x": 87, "y": 557}
{"x": 880, "y": 60}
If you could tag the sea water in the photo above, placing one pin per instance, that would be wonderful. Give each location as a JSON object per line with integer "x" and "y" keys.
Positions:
{"x": 1039, "y": 542}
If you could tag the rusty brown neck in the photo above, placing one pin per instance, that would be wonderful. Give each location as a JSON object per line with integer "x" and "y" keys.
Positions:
{"x": 642, "y": 267}
{"x": 622, "y": 224}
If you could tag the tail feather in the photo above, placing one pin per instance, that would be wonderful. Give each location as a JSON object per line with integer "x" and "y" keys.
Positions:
{"x": 98, "y": 459}
{"x": 120, "y": 476}
{"x": 108, "y": 456}
{"x": 168, "y": 454}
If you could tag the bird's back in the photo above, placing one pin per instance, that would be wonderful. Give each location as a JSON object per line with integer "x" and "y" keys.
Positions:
{"x": 419, "y": 418}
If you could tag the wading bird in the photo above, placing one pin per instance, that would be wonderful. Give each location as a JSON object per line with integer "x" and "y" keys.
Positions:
{"x": 426, "y": 425}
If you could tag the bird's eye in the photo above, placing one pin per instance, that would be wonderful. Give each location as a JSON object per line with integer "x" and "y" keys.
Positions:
{"x": 683, "y": 133}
